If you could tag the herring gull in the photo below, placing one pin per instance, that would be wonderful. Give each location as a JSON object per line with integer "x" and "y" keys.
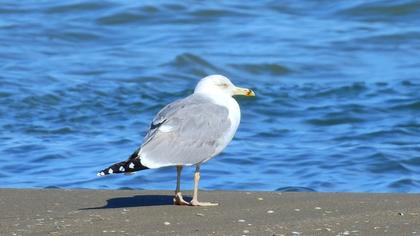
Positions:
{"x": 189, "y": 131}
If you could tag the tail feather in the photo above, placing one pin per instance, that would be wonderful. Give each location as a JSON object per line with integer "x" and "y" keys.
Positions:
{"x": 133, "y": 164}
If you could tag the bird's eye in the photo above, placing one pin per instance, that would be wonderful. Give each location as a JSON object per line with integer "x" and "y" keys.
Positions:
{"x": 224, "y": 85}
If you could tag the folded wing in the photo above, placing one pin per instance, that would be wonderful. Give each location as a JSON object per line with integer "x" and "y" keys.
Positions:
{"x": 186, "y": 132}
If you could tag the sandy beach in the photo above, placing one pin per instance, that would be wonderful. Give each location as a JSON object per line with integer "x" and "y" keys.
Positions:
{"x": 126, "y": 212}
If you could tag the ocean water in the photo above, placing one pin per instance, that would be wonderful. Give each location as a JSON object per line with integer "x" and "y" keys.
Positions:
{"x": 337, "y": 83}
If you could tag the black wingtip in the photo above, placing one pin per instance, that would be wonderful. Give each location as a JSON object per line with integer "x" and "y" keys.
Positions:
{"x": 131, "y": 165}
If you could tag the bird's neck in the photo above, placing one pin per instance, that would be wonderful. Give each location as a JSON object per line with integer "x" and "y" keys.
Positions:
{"x": 225, "y": 100}
{"x": 220, "y": 98}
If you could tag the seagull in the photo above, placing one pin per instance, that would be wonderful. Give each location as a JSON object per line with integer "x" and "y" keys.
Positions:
{"x": 188, "y": 132}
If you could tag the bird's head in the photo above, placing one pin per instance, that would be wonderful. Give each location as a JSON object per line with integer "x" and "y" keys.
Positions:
{"x": 219, "y": 84}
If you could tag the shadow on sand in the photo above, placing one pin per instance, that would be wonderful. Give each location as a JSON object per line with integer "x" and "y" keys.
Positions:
{"x": 137, "y": 201}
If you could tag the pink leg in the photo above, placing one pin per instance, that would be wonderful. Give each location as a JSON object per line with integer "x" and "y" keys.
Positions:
{"x": 194, "y": 201}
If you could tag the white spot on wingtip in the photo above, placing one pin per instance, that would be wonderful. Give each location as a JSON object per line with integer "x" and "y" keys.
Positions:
{"x": 110, "y": 171}
{"x": 165, "y": 128}
{"x": 100, "y": 173}
{"x": 131, "y": 166}
{"x": 122, "y": 168}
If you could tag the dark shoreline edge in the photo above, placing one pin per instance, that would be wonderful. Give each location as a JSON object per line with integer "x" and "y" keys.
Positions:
{"x": 145, "y": 212}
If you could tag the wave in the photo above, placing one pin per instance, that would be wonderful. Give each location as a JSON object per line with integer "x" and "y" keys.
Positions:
{"x": 382, "y": 10}
{"x": 263, "y": 68}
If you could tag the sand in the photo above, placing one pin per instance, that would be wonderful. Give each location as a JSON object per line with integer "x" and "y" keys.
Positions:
{"x": 124, "y": 212}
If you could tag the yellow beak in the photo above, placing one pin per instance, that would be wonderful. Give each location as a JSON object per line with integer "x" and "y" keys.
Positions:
{"x": 243, "y": 91}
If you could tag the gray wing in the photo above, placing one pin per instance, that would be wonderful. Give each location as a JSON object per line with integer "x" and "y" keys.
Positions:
{"x": 185, "y": 132}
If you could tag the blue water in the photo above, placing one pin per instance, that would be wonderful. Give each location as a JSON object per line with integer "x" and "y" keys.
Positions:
{"x": 337, "y": 83}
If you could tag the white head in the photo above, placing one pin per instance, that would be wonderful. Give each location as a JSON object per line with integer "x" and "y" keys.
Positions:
{"x": 219, "y": 84}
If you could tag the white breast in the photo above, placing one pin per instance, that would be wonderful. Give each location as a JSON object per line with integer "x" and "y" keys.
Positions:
{"x": 234, "y": 117}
